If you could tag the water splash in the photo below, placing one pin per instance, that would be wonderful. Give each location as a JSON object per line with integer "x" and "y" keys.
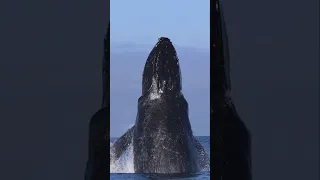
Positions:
{"x": 125, "y": 163}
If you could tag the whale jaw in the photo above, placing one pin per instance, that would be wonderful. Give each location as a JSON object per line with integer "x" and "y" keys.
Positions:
{"x": 162, "y": 70}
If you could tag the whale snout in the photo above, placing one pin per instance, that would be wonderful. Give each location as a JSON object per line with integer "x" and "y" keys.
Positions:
{"x": 164, "y": 40}
{"x": 162, "y": 71}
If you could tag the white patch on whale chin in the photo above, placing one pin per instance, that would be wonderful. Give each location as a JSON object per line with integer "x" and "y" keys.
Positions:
{"x": 154, "y": 96}
{"x": 155, "y": 92}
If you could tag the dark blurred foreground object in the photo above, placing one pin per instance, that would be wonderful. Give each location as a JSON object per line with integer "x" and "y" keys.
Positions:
{"x": 230, "y": 139}
{"x": 98, "y": 157}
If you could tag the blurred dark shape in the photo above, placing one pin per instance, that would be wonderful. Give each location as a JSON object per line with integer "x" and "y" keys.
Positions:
{"x": 230, "y": 139}
{"x": 99, "y": 132}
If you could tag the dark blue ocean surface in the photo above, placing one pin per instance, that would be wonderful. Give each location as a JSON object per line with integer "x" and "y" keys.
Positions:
{"x": 124, "y": 168}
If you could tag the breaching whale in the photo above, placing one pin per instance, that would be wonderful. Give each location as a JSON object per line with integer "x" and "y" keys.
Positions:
{"x": 230, "y": 139}
{"x": 162, "y": 137}
{"x": 98, "y": 157}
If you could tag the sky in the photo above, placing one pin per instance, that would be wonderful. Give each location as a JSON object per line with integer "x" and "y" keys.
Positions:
{"x": 135, "y": 28}
{"x": 185, "y": 22}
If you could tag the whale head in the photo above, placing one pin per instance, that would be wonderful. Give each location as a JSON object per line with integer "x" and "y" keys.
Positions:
{"x": 162, "y": 71}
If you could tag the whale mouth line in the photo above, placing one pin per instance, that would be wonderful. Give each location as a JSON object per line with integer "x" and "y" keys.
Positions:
{"x": 161, "y": 73}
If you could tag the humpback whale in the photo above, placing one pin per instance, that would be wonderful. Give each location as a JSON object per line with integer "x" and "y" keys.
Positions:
{"x": 98, "y": 158}
{"x": 162, "y": 137}
{"x": 231, "y": 140}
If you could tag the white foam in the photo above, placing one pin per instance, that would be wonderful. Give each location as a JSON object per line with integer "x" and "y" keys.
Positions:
{"x": 125, "y": 163}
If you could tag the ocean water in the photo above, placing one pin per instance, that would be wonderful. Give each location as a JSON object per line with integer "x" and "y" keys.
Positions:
{"x": 123, "y": 168}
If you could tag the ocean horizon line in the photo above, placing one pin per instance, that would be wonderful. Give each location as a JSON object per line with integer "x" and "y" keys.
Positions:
{"x": 195, "y": 136}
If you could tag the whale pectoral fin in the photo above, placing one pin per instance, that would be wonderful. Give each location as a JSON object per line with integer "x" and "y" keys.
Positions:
{"x": 202, "y": 155}
{"x": 121, "y": 144}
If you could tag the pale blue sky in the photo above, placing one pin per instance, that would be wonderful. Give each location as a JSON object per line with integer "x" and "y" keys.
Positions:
{"x": 185, "y": 22}
{"x": 135, "y": 28}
